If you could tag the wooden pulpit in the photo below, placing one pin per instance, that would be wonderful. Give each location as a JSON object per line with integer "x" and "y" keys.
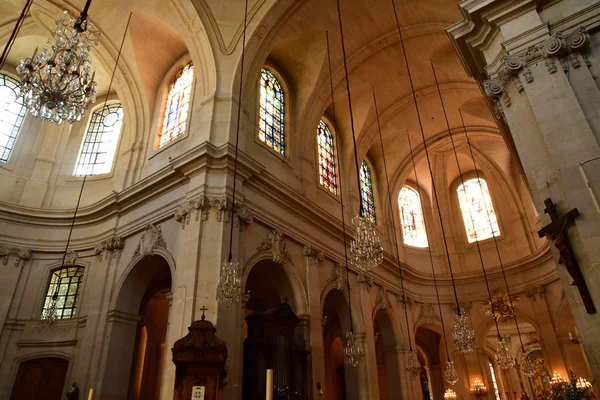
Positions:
{"x": 199, "y": 358}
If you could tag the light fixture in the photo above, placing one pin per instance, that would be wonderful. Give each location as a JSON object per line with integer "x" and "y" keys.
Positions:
{"x": 413, "y": 365}
{"x": 450, "y": 373}
{"x": 463, "y": 336}
{"x": 229, "y": 289}
{"x": 58, "y": 83}
{"x": 504, "y": 357}
{"x": 353, "y": 353}
{"x": 478, "y": 389}
{"x": 49, "y": 315}
{"x": 583, "y": 383}
{"x": 366, "y": 252}
{"x": 557, "y": 379}
{"x": 450, "y": 394}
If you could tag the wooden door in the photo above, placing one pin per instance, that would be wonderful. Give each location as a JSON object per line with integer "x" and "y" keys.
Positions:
{"x": 41, "y": 378}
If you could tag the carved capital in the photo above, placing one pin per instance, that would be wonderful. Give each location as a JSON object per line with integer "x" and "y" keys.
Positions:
{"x": 313, "y": 255}
{"x": 110, "y": 245}
{"x": 536, "y": 293}
{"x": 222, "y": 207}
{"x": 428, "y": 314}
{"x": 199, "y": 205}
{"x": 404, "y": 300}
{"x": 20, "y": 255}
{"x": 71, "y": 258}
{"x": 150, "y": 240}
{"x": 338, "y": 275}
{"x": 365, "y": 281}
{"x": 275, "y": 242}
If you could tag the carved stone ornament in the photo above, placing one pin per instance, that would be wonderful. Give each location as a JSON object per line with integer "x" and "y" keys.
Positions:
{"x": 382, "y": 298}
{"x": 275, "y": 242}
{"x": 222, "y": 208}
{"x": 428, "y": 314}
{"x": 404, "y": 300}
{"x": 20, "y": 255}
{"x": 110, "y": 245}
{"x": 71, "y": 258}
{"x": 338, "y": 275}
{"x": 501, "y": 307}
{"x": 151, "y": 239}
{"x": 365, "y": 281}
{"x": 313, "y": 254}
{"x": 538, "y": 292}
{"x": 200, "y": 206}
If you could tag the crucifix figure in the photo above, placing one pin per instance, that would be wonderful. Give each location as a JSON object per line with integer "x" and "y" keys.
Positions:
{"x": 557, "y": 232}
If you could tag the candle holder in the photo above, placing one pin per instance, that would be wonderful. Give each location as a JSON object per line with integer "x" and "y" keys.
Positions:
{"x": 450, "y": 394}
{"x": 478, "y": 389}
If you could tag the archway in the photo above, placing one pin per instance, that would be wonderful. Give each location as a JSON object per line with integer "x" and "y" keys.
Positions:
{"x": 273, "y": 335}
{"x": 341, "y": 382}
{"x": 431, "y": 344}
{"x": 137, "y": 331}
{"x": 388, "y": 368}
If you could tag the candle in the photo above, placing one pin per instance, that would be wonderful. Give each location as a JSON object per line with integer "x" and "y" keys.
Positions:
{"x": 91, "y": 395}
{"x": 570, "y": 336}
{"x": 269, "y": 384}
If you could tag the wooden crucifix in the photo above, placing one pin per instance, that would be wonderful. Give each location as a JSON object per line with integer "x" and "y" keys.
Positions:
{"x": 557, "y": 232}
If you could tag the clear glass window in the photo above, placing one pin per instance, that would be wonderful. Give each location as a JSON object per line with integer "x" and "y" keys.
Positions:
{"x": 64, "y": 289}
{"x": 12, "y": 113}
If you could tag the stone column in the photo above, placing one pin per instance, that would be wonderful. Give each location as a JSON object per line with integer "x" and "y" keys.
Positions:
{"x": 540, "y": 83}
{"x": 12, "y": 262}
{"x": 369, "y": 367}
{"x": 317, "y": 352}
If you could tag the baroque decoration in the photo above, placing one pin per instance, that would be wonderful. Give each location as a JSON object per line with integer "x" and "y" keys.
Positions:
{"x": 57, "y": 83}
{"x": 198, "y": 206}
{"x": 150, "y": 240}
{"x": 338, "y": 276}
{"x": 21, "y": 255}
{"x": 501, "y": 308}
{"x": 110, "y": 245}
{"x": 275, "y": 242}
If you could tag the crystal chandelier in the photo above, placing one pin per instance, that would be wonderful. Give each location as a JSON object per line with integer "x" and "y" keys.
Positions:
{"x": 463, "y": 335}
{"x": 353, "y": 353}
{"x": 528, "y": 367}
{"x": 58, "y": 83}
{"x": 504, "y": 358}
{"x": 229, "y": 289}
{"x": 450, "y": 373}
{"x": 450, "y": 394}
{"x": 413, "y": 366}
{"x": 49, "y": 316}
{"x": 366, "y": 252}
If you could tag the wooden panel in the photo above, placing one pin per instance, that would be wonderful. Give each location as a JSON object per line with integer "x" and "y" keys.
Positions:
{"x": 41, "y": 378}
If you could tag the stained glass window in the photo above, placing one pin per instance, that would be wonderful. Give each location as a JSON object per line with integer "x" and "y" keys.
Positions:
{"x": 12, "y": 113}
{"x": 367, "y": 200}
{"x": 64, "y": 289}
{"x": 100, "y": 143}
{"x": 178, "y": 105}
{"x": 411, "y": 215}
{"x": 477, "y": 210}
{"x": 271, "y": 127}
{"x": 494, "y": 382}
{"x": 327, "y": 176}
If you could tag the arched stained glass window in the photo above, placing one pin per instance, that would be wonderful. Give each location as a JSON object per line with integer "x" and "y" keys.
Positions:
{"x": 63, "y": 292}
{"x": 100, "y": 143}
{"x": 12, "y": 113}
{"x": 271, "y": 126}
{"x": 411, "y": 215}
{"x": 367, "y": 200}
{"x": 477, "y": 210}
{"x": 178, "y": 105}
{"x": 327, "y": 174}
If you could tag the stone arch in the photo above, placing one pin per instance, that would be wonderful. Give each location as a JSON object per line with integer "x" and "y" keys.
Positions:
{"x": 388, "y": 355}
{"x": 431, "y": 342}
{"x": 143, "y": 277}
{"x": 357, "y": 318}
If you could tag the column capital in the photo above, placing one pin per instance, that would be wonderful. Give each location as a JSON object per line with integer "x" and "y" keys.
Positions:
{"x": 314, "y": 256}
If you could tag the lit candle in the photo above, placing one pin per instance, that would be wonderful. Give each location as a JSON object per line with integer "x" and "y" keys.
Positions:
{"x": 91, "y": 395}
{"x": 269, "y": 384}
{"x": 570, "y": 336}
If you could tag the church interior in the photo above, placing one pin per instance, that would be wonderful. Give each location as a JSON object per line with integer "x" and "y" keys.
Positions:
{"x": 299, "y": 199}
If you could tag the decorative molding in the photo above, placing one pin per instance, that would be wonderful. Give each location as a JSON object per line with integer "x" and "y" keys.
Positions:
{"x": 536, "y": 293}
{"x": 200, "y": 205}
{"x": 275, "y": 242}
{"x": 338, "y": 276}
{"x": 21, "y": 255}
{"x": 70, "y": 258}
{"x": 150, "y": 240}
{"x": 404, "y": 300}
{"x": 112, "y": 244}
{"x": 314, "y": 255}
{"x": 502, "y": 306}
{"x": 365, "y": 281}
{"x": 428, "y": 314}
{"x": 382, "y": 298}
{"x": 222, "y": 208}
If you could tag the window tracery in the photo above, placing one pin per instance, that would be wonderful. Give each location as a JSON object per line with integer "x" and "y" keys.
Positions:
{"x": 411, "y": 216}
{"x": 178, "y": 105}
{"x": 100, "y": 142}
{"x": 12, "y": 113}
{"x": 326, "y": 150}
{"x": 367, "y": 199}
{"x": 271, "y": 126}
{"x": 64, "y": 290}
{"x": 477, "y": 210}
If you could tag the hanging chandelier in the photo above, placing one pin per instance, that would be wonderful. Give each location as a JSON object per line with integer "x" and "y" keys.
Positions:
{"x": 413, "y": 366}
{"x": 450, "y": 373}
{"x": 57, "y": 83}
{"x": 504, "y": 358}
{"x": 450, "y": 394}
{"x": 366, "y": 251}
{"x": 50, "y": 315}
{"x": 463, "y": 335}
{"x": 353, "y": 353}
{"x": 229, "y": 289}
